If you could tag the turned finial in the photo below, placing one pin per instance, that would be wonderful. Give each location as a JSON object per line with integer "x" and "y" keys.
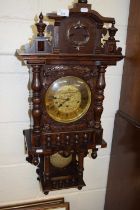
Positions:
{"x": 112, "y": 31}
{"x": 83, "y": 1}
{"x": 40, "y": 26}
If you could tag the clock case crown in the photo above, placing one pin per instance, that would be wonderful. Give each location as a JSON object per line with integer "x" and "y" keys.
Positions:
{"x": 72, "y": 46}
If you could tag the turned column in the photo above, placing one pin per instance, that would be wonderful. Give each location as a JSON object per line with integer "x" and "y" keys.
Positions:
{"x": 99, "y": 96}
{"x": 80, "y": 169}
{"x": 47, "y": 181}
{"x": 36, "y": 110}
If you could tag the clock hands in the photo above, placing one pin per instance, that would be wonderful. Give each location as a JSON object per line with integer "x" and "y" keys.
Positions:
{"x": 65, "y": 100}
{"x": 65, "y": 97}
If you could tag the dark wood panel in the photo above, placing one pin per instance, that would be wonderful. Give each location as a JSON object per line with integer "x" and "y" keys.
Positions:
{"x": 123, "y": 189}
{"x": 130, "y": 94}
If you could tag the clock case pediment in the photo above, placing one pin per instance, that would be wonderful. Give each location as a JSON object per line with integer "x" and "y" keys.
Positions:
{"x": 72, "y": 46}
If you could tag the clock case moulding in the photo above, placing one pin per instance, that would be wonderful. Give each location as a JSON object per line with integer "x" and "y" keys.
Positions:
{"x": 72, "y": 46}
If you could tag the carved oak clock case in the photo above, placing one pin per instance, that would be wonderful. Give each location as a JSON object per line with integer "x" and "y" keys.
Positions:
{"x": 68, "y": 61}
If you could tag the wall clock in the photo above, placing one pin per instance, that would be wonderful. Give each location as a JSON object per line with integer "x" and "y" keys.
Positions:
{"x": 68, "y": 81}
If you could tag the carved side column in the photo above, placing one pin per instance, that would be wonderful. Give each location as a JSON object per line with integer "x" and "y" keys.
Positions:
{"x": 99, "y": 96}
{"x": 36, "y": 111}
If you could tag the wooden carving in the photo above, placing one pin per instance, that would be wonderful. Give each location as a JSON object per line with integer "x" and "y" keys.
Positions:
{"x": 74, "y": 52}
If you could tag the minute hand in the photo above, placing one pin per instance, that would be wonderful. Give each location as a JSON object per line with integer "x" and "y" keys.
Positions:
{"x": 67, "y": 99}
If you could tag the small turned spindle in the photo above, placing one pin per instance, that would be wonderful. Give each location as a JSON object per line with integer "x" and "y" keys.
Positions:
{"x": 94, "y": 153}
{"x": 80, "y": 170}
{"x": 85, "y": 138}
{"x": 58, "y": 141}
{"x": 35, "y": 161}
{"x": 46, "y": 174}
{"x": 76, "y": 139}
{"x": 67, "y": 182}
{"x": 54, "y": 184}
{"x": 73, "y": 181}
{"x": 38, "y": 172}
{"x": 48, "y": 142}
{"x": 67, "y": 140}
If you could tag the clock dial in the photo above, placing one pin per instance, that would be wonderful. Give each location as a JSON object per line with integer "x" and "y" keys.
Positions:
{"x": 67, "y": 99}
{"x": 78, "y": 35}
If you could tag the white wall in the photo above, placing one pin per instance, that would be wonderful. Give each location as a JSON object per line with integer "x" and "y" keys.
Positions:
{"x": 18, "y": 178}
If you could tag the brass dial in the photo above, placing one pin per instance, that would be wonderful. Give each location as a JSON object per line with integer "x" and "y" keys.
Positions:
{"x": 67, "y": 99}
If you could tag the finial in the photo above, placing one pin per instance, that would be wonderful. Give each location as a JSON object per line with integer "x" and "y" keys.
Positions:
{"x": 112, "y": 31}
{"x": 83, "y": 1}
{"x": 40, "y": 26}
{"x": 41, "y": 17}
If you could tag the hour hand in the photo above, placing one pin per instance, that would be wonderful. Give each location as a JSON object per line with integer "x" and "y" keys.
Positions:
{"x": 59, "y": 98}
{"x": 65, "y": 100}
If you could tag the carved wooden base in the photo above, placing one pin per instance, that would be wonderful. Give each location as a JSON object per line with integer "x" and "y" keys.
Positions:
{"x": 60, "y": 179}
{"x": 54, "y": 178}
